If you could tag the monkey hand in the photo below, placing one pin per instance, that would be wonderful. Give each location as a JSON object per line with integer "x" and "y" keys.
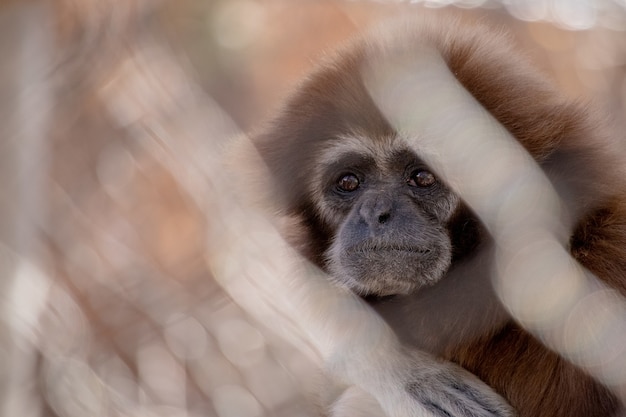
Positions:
{"x": 421, "y": 387}
{"x": 444, "y": 389}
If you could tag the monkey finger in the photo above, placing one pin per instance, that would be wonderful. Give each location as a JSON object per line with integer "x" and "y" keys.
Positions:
{"x": 455, "y": 393}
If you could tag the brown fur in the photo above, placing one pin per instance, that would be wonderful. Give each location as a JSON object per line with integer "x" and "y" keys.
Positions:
{"x": 563, "y": 136}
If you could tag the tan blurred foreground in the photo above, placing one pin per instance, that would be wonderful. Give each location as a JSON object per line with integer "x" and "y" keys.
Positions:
{"x": 110, "y": 306}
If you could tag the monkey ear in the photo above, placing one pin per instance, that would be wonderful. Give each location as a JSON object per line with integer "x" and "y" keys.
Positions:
{"x": 253, "y": 185}
{"x": 296, "y": 233}
{"x": 249, "y": 175}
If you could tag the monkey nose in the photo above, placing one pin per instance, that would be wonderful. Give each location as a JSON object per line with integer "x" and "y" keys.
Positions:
{"x": 384, "y": 217}
{"x": 377, "y": 211}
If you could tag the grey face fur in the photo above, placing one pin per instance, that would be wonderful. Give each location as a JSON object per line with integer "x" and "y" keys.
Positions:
{"x": 390, "y": 234}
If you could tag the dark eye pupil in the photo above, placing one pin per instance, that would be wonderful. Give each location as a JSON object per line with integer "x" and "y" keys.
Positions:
{"x": 423, "y": 179}
{"x": 348, "y": 182}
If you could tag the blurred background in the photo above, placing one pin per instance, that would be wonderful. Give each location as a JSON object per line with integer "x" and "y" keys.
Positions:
{"x": 109, "y": 306}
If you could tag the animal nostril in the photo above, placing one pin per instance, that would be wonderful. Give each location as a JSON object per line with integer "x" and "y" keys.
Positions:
{"x": 383, "y": 218}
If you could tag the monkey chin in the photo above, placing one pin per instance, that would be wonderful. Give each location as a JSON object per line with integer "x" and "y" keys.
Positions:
{"x": 384, "y": 272}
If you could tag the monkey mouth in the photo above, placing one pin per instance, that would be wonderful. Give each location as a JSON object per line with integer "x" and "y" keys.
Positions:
{"x": 363, "y": 249}
{"x": 377, "y": 270}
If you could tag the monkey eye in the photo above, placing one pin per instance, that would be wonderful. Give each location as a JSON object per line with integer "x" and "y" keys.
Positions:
{"x": 348, "y": 183}
{"x": 422, "y": 178}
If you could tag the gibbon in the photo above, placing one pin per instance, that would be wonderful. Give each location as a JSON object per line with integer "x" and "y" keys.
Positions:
{"x": 366, "y": 208}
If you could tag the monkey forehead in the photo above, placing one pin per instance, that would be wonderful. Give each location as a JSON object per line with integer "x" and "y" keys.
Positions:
{"x": 378, "y": 149}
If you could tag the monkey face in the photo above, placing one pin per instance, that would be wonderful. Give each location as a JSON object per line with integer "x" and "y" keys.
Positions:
{"x": 388, "y": 212}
